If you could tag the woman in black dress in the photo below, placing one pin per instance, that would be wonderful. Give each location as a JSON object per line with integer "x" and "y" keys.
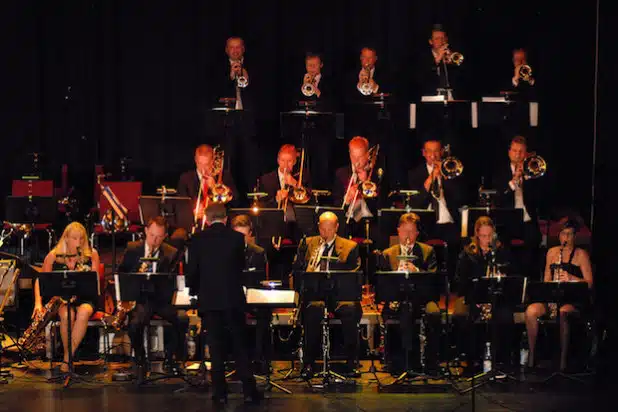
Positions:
{"x": 564, "y": 263}
{"x": 72, "y": 252}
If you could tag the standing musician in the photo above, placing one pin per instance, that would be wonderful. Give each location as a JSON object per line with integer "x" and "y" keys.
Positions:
{"x": 350, "y": 313}
{"x": 237, "y": 77}
{"x": 368, "y": 80}
{"x": 346, "y": 187}
{"x": 476, "y": 261}
{"x": 72, "y": 252}
{"x": 443, "y": 70}
{"x": 522, "y": 76}
{"x": 278, "y": 184}
{"x": 412, "y": 256}
{"x": 565, "y": 263}
{"x": 444, "y": 196}
{"x": 190, "y": 181}
{"x": 215, "y": 275}
{"x": 517, "y": 191}
{"x": 166, "y": 256}
{"x": 315, "y": 87}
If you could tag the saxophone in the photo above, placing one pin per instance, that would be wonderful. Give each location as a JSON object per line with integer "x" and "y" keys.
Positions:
{"x": 33, "y": 339}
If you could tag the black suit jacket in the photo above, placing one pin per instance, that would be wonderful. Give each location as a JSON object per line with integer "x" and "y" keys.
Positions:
{"x": 340, "y": 186}
{"x": 383, "y": 78}
{"x": 168, "y": 258}
{"x": 215, "y": 270}
{"x": 506, "y": 196}
{"x": 189, "y": 185}
{"x": 224, "y": 87}
{"x": 431, "y": 76}
{"x": 269, "y": 183}
{"x": 473, "y": 265}
{"x": 328, "y": 97}
{"x": 454, "y": 192}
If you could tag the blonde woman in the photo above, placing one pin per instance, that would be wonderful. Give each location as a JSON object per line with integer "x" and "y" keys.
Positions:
{"x": 72, "y": 252}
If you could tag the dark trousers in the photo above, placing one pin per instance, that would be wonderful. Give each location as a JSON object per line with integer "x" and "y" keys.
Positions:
{"x": 350, "y": 315}
{"x": 262, "y": 333}
{"x": 139, "y": 319}
{"x": 216, "y": 323}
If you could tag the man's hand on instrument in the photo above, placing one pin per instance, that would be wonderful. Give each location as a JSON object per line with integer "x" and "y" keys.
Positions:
{"x": 442, "y": 52}
{"x": 281, "y": 195}
{"x": 289, "y": 180}
{"x": 516, "y": 75}
{"x": 351, "y": 194}
{"x": 363, "y": 76}
{"x": 235, "y": 70}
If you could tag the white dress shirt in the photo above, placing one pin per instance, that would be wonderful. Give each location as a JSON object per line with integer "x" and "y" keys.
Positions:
{"x": 238, "y": 105}
{"x": 519, "y": 196}
{"x": 444, "y": 216}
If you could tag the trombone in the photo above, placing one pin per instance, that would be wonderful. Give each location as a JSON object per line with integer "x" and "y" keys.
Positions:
{"x": 450, "y": 167}
{"x": 219, "y": 193}
{"x": 534, "y": 166}
{"x": 368, "y": 188}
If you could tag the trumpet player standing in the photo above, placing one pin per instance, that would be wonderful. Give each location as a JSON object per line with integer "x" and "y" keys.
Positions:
{"x": 522, "y": 73}
{"x": 314, "y": 85}
{"x": 367, "y": 78}
{"x": 444, "y": 70}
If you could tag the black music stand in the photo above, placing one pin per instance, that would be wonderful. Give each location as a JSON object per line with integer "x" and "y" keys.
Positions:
{"x": 66, "y": 285}
{"x": 31, "y": 209}
{"x": 328, "y": 287}
{"x": 270, "y": 306}
{"x": 268, "y": 223}
{"x": 410, "y": 288}
{"x": 503, "y": 290}
{"x": 559, "y": 293}
{"x": 140, "y": 287}
{"x": 178, "y": 210}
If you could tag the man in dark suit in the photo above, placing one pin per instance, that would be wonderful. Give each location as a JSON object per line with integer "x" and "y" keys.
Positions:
{"x": 515, "y": 190}
{"x": 444, "y": 196}
{"x": 409, "y": 255}
{"x": 328, "y": 244}
{"x": 436, "y": 70}
{"x": 215, "y": 274}
{"x": 322, "y": 92}
{"x": 523, "y": 85}
{"x": 189, "y": 182}
{"x": 167, "y": 259}
{"x": 355, "y": 204}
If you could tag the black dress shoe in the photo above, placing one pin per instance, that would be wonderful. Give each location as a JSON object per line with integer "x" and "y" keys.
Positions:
{"x": 139, "y": 372}
{"x": 307, "y": 372}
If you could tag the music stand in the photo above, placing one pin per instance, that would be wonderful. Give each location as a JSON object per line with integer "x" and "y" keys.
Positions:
{"x": 268, "y": 223}
{"x": 503, "y": 290}
{"x": 66, "y": 284}
{"x": 31, "y": 209}
{"x": 178, "y": 210}
{"x": 268, "y": 298}
{"x": 559, "y": 293}
{"x": 328, "y": 287}
{"x": 140, "y": 287}
{"x": 411, "y": 288}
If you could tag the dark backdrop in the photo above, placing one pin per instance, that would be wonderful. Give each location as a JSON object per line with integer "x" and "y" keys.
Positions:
{"x": 139, "y": 73}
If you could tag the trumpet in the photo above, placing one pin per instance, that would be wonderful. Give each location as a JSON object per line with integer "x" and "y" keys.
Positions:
{"x": 366, "y": 88}
{"x": 455, "y": 58}
{"x": 241, "y": 79}
{"x": 308, "y": 87}
{"x": 525, "y": 72}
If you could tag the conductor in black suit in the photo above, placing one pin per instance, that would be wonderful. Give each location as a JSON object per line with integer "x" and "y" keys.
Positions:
{"x": 189, "y": 182}
{"x": 167, "y": 259}
{"x": 215, "y": 275}
{"x": 444, "y": 196}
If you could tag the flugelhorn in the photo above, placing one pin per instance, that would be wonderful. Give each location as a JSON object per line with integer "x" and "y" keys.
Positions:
{"x": 308, "y": 87}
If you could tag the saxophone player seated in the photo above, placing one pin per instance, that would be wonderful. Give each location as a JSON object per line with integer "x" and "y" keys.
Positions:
{"x": 412, "y": 256}
{"x": 72, "y": 252}
{"x": 167, "y": 256}
{"x": 329, "y": 244}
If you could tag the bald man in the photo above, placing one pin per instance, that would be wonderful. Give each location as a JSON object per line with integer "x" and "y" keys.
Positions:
{"x": 346, "y": 252}
{"x": 189, "y": 182}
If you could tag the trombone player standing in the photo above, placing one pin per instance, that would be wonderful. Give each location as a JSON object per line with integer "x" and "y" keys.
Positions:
{"x": 518, "y": 188}
{"x": 442, "y": 190}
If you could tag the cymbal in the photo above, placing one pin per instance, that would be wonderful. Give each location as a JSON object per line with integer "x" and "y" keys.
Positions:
{"x": 257, "y": 195}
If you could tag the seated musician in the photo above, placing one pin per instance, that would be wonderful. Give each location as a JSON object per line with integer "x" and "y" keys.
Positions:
{"x": 412, "y": 256}
{"x": 190, "y": 181}
{"x": 484, "y": 256}
{"x": 328, "y": 244}
{"x": 347, "y": 180}
{"x": 255, "y": 260}
{"x": 277, "y": 185}
{"x": 444, "y": 196}
{"x": 72, "y": 252}
{"x": 167, "y": 256}
{"x": 566, "y": 263}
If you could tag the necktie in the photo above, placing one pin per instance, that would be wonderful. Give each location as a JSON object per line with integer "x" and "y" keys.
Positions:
{"x": 324, "y": 262}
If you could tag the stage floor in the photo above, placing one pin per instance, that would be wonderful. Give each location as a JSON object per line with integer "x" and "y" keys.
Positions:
{"x": 29, "y": 391}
